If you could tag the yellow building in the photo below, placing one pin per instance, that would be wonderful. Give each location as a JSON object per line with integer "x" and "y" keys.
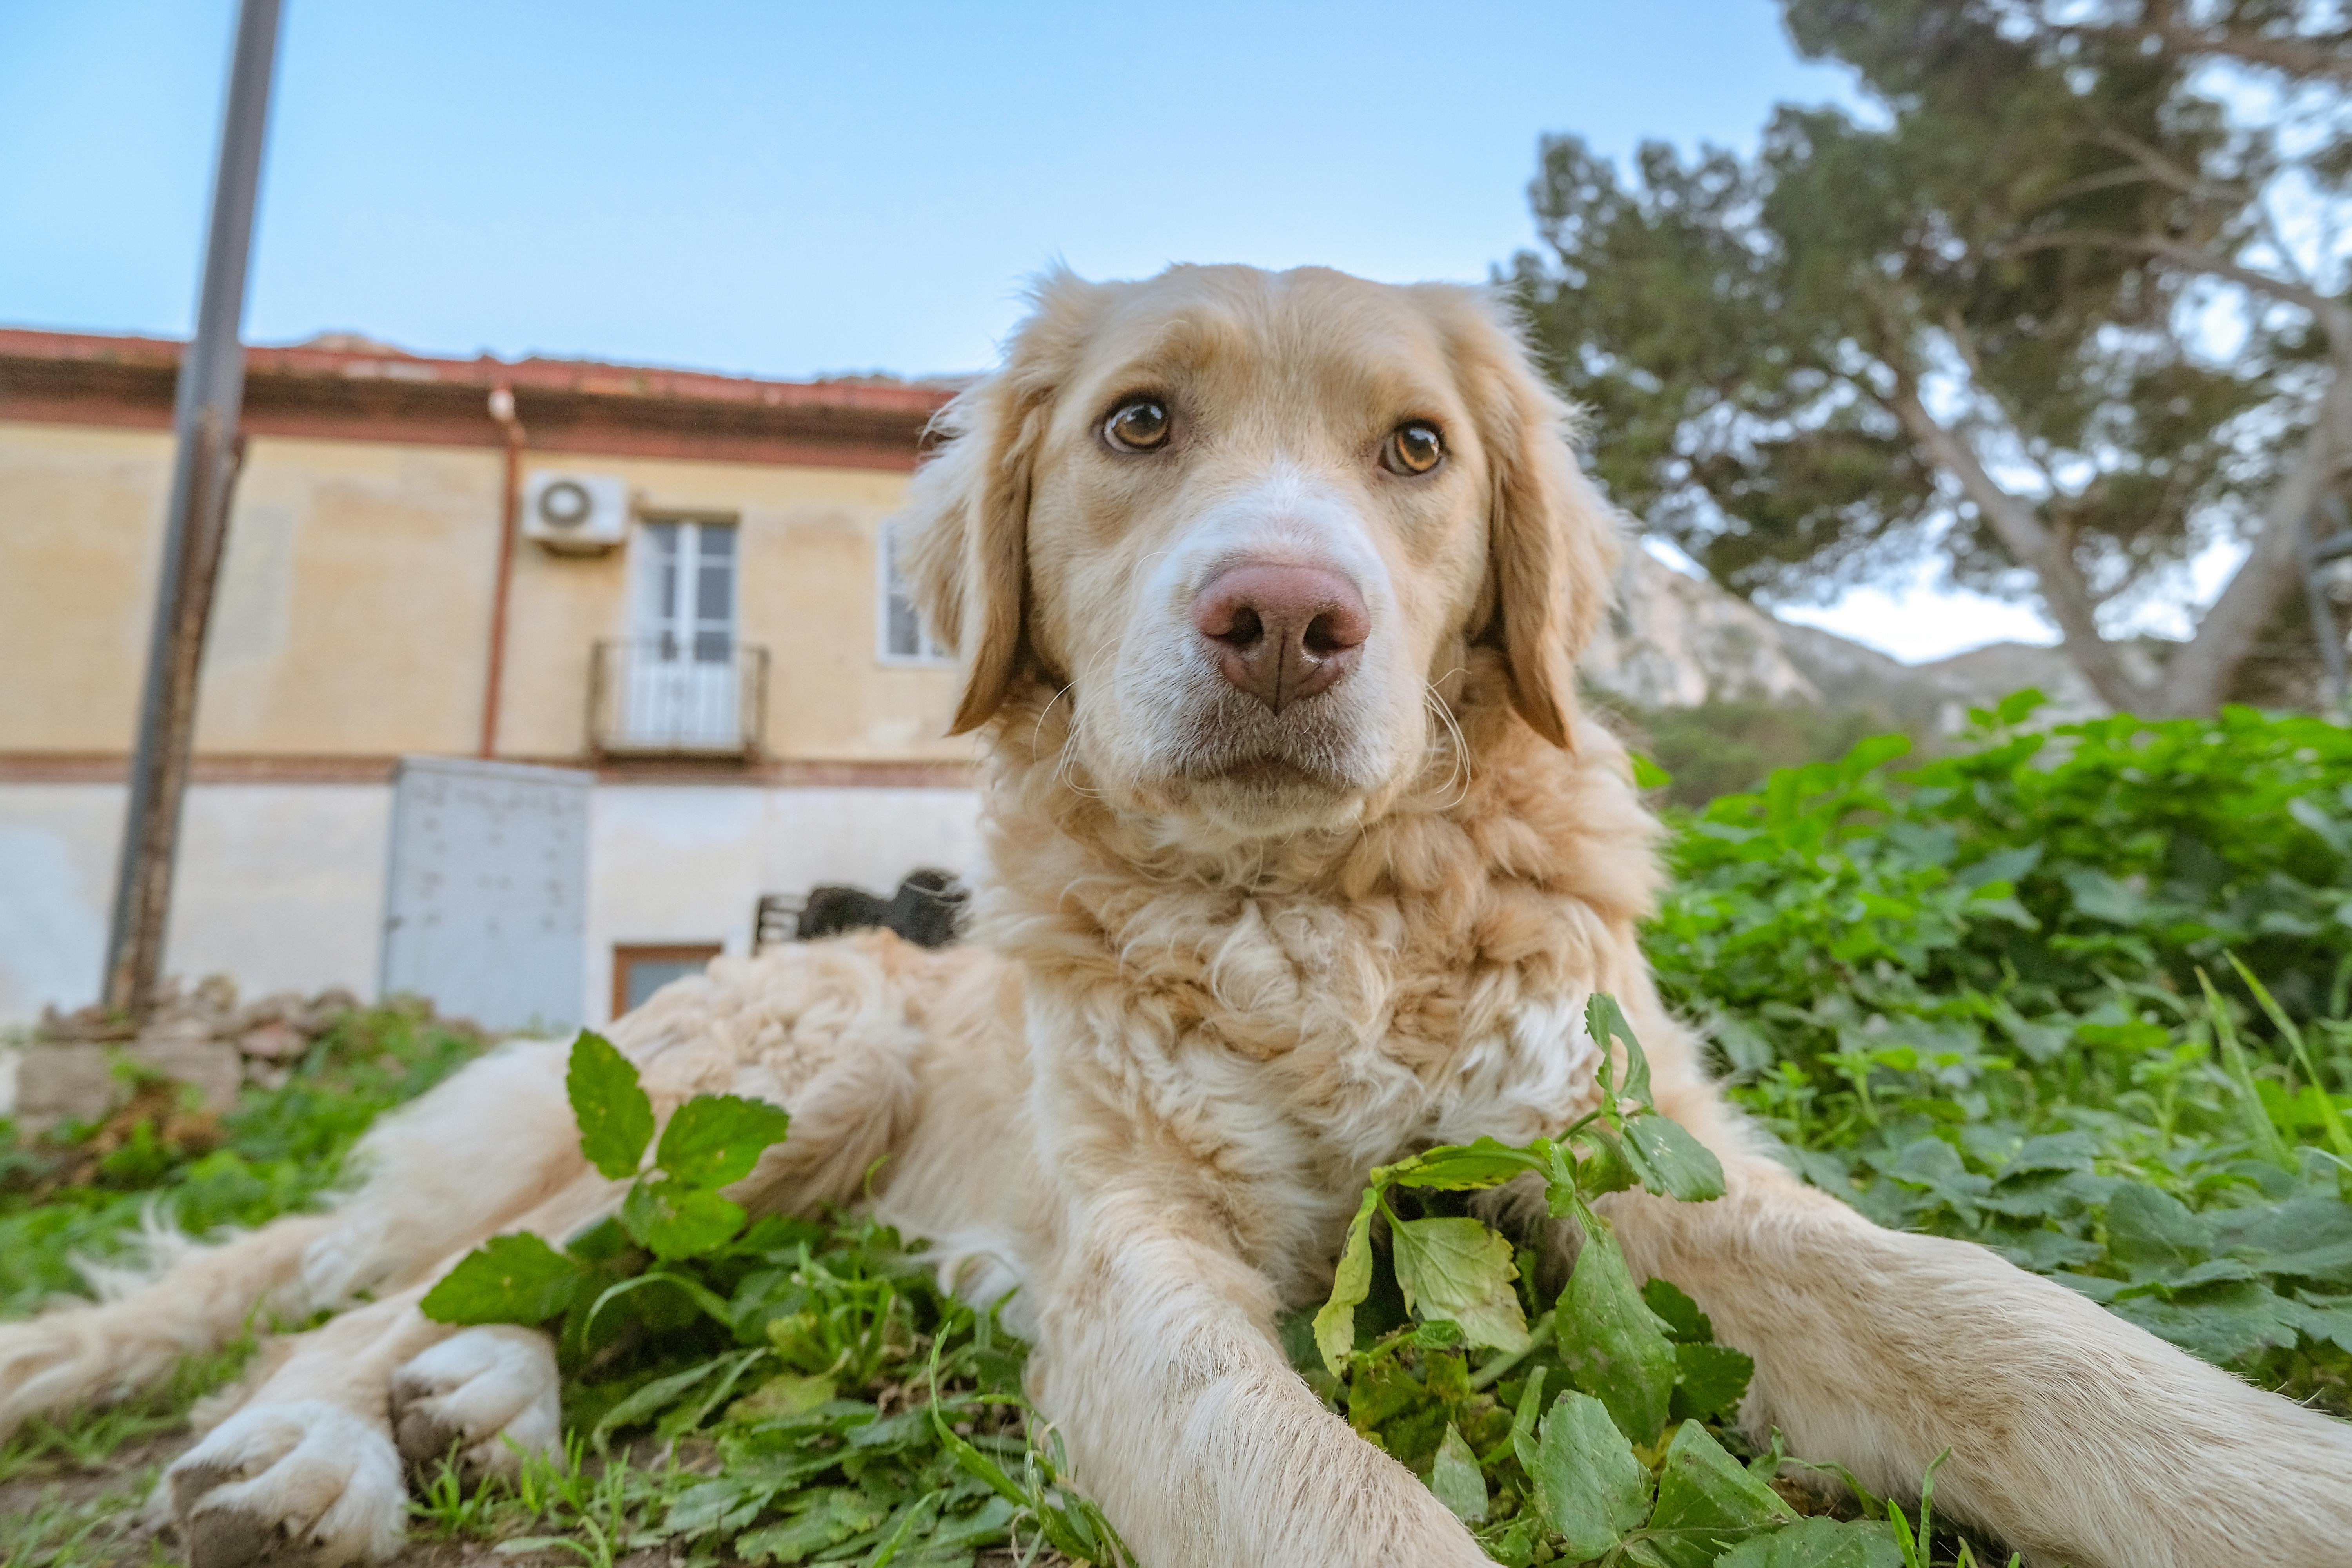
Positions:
{"x": 672, "y": 582}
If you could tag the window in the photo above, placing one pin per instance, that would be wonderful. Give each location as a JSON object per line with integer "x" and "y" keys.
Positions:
{"x": 682, "y": 687}
{"x": 904, "y": 639}
{"x": 686, "y": 588}
{"x": 640, "y": 971}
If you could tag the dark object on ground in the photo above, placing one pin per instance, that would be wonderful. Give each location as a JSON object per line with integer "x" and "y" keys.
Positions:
{"x": 924, "y": 909}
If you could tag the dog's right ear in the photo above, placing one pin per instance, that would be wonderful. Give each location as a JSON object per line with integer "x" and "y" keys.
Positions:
{"x": 964, "y": 534}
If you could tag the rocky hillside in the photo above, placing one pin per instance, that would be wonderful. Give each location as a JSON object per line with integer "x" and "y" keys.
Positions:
{"x": 1675, "y": 641}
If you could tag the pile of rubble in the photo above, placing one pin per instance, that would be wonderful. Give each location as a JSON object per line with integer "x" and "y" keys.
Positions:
{"x": 67, "y": 1070}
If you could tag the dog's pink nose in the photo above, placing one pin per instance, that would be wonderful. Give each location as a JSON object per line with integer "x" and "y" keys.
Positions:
{"x": 1281, "y": 633}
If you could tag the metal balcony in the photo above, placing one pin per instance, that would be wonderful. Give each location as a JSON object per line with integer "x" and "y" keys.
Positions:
{"x": 677, "y": 697}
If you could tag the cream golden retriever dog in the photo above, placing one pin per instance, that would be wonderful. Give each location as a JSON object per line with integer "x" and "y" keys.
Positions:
{"x": 1267, "y": 588}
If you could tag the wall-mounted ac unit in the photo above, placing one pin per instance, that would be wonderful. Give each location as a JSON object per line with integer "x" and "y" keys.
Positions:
{"x": 575, "y": 514}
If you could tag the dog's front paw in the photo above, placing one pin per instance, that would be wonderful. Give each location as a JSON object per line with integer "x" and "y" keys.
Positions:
{"x": 488, "y": 1392}
{"x": 305, "y": 1483}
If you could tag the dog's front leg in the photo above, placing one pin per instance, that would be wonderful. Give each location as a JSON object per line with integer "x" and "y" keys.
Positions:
{"x": 2070, "y": 1431}
{"x": 1158, "y": 1365}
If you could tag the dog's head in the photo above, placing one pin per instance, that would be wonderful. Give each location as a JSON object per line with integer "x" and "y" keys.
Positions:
{"x": 1248, "y": 525}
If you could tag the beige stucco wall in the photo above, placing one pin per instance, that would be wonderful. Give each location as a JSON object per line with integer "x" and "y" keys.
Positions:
{"x": 280, "y": 887}
{"x": 351, "y": 615}
{"x": 353, "y": 609}
{"x": 79, "y": 511}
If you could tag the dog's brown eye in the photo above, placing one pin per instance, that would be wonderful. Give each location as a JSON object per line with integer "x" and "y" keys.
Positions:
{"x": 1412, "y": 448}
{"x": 1138, "y": 424}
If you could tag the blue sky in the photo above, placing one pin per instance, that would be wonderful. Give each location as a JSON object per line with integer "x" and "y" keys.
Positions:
{"x": 789, "y": 189}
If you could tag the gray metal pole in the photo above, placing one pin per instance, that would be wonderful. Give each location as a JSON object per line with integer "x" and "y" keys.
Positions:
{"x": 195, "y": 524}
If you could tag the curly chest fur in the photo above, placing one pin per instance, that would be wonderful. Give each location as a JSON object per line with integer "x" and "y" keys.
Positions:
{"x": 1281, "y": 1044}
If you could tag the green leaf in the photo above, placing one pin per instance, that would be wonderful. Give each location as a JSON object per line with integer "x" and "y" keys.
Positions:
{"x": 1667, "y": 1160}
{"x": 1819, "y": 1543}
{"x": 1610, "y": 1345}
{"x": 1523, "y": 1441}
{"x": 2220, "y": 1323}
{"x": 1588, "y": 1483}
{"x": 1604, "y": 1021}
{"x": 1647, "y": 773}
{"x": 507, "y": 1280}
{"x": 1684, "y": 1320}
{"x": 616, "y": 1120}
{"x": 2153, "y": 1233}
{"x": 714, "y": 1140}
{"x": 2018, "y": 705}
{"x": 1454, "y": 1477}
{"x": 671, "y": 1219}
{"x": 782, "y": 1397}
{"x": 1606, "y": 1167}
{"x": 1873, "y": 750}
{"x": 984, "y": 1526}
{"x": 2309, "y": 1237}
{"x": 655, "y": 1397}
{"x": 1489, "y": 1162}
{"x": 828, "y": 1517}
{"x": 695, "y": 1293}
{"x": 1708, "y": 1380}
{"x": 1706, "y": 1502}
{"x": 1335, "y": 1322}
{"x": 2327, "y": 1317}
{"x": 1458, "y": 1269}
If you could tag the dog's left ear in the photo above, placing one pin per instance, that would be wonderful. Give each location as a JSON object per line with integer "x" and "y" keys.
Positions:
{"x": 964, "y": 534}
{"x": 1552, "y": 542}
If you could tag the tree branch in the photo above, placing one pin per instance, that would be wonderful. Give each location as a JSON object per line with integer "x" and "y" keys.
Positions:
{"x": 2166, "y": 172}
{"x": 2012, "y": 521}
{"x": 1964, "y": 344}
{"x": 2335, "y": 316}
{"x": 2198, "y": 677}
{"x": 2324, "y": 57}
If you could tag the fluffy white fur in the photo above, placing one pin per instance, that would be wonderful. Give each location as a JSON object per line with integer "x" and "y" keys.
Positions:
{"x": 1225, "y": 961}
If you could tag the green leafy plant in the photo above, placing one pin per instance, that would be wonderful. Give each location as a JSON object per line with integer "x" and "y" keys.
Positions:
{"x": 838, "y": 1405}
{"x": 1977, "y": 999}
{"x": 1621, "y": 1466}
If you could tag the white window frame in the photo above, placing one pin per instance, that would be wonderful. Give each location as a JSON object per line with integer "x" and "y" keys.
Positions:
{"x": 889, "y": 585}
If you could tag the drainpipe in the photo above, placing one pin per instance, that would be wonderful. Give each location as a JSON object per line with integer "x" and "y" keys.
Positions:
{"x": 502, "y": 409}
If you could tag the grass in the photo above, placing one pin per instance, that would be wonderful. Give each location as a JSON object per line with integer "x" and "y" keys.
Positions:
{"x": 2083, "y": 996}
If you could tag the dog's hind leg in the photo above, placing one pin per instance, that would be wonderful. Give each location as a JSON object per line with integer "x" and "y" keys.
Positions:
{"x": 2071, "y": 1433}
{"x": 452, "y": 1166}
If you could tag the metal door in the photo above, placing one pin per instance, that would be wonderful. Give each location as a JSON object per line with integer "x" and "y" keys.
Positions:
{"x": 486, "y": 902}
{"x": 681, "y": 670}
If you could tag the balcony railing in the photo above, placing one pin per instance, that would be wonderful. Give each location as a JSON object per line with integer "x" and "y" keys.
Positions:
{"x": 677, "y": 697}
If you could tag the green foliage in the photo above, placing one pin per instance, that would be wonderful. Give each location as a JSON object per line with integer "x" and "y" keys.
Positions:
{"x": 1621, "y": 1468}
{"x": 279, "y": 1150}
{"x": 855, "y": 1411}
{"x": 1985, "y": 998}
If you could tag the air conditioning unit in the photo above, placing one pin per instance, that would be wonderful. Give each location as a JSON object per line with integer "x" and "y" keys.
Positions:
{"x": 575, "y": 514}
